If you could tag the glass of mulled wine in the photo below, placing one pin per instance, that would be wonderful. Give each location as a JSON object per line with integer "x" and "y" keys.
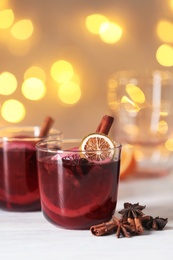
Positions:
{"x": 19, "y": 189}
{"x": 76, "y": 190}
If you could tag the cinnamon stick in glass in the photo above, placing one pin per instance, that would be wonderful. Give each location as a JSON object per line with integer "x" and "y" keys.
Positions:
{"x": 46, "y": 126}
{"x": 105, "y": 125}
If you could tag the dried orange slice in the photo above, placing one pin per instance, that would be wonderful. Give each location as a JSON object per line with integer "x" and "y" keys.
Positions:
{"x": 128, "y": 162}
{"x": 97, "y": 147}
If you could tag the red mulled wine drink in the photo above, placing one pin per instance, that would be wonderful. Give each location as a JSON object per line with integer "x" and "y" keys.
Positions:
{"x": 76, "y": 190}
{"x": 19, "y": 190}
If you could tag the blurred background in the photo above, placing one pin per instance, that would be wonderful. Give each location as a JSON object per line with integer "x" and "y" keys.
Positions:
{"x": 56, "y": 56}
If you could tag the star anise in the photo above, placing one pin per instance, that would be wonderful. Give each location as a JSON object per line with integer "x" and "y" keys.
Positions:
{"x": 132, "y": 222}
{"x": 133, "y": 213}
{"x": 148, "y": 222}
{"x": 119, "y": 226}
{"x": 123, "y": 228}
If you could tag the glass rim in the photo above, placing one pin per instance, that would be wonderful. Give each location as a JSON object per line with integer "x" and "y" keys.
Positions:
{"x": 69, "y": 150}
{"x": 19, "y": 129}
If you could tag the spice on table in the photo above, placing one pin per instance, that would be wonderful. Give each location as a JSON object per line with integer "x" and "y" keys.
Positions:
{"x": 132, "y": 222}
{"x": 119, "y": 226}
{"x": 123, "y": 228}
{"x": 132, "y": 213}
{"x": 157, "y": 223}
{"x": 104, "y": 228}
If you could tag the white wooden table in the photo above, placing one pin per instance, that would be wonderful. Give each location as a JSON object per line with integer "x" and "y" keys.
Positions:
{"x": 29, "y": 236}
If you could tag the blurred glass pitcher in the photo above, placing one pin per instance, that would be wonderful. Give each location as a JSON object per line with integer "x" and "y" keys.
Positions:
{"x": 142, "y": 103}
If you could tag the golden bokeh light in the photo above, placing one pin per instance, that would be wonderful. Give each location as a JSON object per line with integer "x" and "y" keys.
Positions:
{"x": 35, "y": 72}
{"x": 164, "y": 113}
{"x": 129, "y": 105}
{"x": 135, "y": 93}
{"x": 8, "y": 83}
{"x": 13, "y": 111}
{"x": 110, "y": 32}
{"x": 33, "y": 89}
{"x": 94, "y": 21}
{"x": 112, "y": 101}
{"x": 62, "y": 71}
{"x": 112, "y": 98}
{"x": 163, "y": 127}
{"x": 164, "y": 55}
{"x": 76, "y": 79}
{"x": 169, "y": 144}
{"x": 6, "y": 18}
{"x": 3, "y": 4}
{"x": 19, "y": 48}
{"x": 171, "y": 4}
{"x": 69, "y": 92}
{"x": 164, "y": 31}
{"x": 22, "y": 30}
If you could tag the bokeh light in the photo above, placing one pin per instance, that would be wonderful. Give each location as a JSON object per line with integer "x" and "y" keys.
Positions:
{"x": 13, "y": 111}
{"x": 135, "y": 93}
{"x": 6, "y": 18}
{"x": 94, "y": 21}
{"x": 3, "y": 4}
{"x": 165, "y": 31}
{"x": 110, "y": 32}
{"x": 35, "y": 72}
{"x": 22, "y": 29}
{"x": 33, "y": 89}
{"x": 164, "y": 55}
{"x": 69, "y": 92}
{"x": 62, "y": 71}
{"x": 171, "y": 4}
{"x": 129, "y": 105}
{"x": 169, "y": 144}
{"x": 112, "y": 94}
{"x": 163, "y": 127}
{"x": 8, "y": 83}
{"x": 76, "y": 79}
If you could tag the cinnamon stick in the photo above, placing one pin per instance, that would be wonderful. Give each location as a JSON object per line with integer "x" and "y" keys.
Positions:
{"x": 105, "y": 125}
{"x": 47, "y": 124}
{"x": 104, "y": 228}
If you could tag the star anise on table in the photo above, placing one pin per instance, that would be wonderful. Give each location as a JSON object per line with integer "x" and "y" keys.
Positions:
{"x": 148, "y": 222}
{"x": 132, "y": 213}
{"x": 132, "y": 222}
{"x": 121, "y": 227}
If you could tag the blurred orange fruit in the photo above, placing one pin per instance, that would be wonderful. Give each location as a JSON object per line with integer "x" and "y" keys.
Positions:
{"x": 128, "y": 162}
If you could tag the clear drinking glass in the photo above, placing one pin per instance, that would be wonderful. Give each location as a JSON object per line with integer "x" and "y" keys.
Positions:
{"x": 76, "y": 192}
{"x": 19, "y": 189}
{"x": 142, "y": 103}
